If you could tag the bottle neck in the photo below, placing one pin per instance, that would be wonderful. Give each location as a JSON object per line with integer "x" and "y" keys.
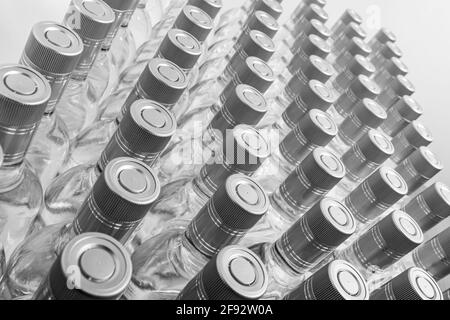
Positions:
{"x": 11, "y": 176}
{"x": 282, "y": 210}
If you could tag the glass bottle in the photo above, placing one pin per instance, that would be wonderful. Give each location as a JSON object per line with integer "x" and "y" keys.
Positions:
{"x": 393, "y": 68}
{"x": 397, "y": 88}
{"x": 317, "y": 175}
{"x": 164, "y": 264}
{"x": 142, "y": 134}
{"x": 363, "y": 159}
{"x": 116, "y": 205}
{"x": 357, "y": 46}
{"x": 346, "y": 19}
{"x": 381, "y": 38}
{"x": 244, "y": 150}
{"x": 311, "y": 239}
{"x": 92, "y": 266}
{"x": 24, "y": 94}
{"x": 162, "y": 82}
{"x": 400, "y": 115}
{"x": 92, "y": 21}
{"x": 419, "y": 168}
{"x": 138, "y": 28}
{"x": 315, "y": 129}
{"x": 338, "y": 280}
{"x": 53, "y": 50}
{"x": 366, "y": 115}
{"x": 236, "y": 273}
{"x": 413, "y": 284}
{"x": 381, "y": 58}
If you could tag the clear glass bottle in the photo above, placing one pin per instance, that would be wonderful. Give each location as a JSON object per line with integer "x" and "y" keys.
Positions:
{"x": 92, "y": 266}
{"x": 53, "y": 50}
{"x": 419, "y": 168}
{"x": 383, "y": 245}
{"x": 413, "y": 284}
{"x": 24, "y": 94}
{"x": 338, "y": 280}
{"x": 357, "y": 46}
{"x": 393, "y": 68}
{"x": 396, "y": 89}
{"x": 317, "y": 175}
{"x": 366, "y": 115}
{"x": 363, "y": 159}
{"x": 138, "y": 28}
{"x": 341, "y": 42}
{"x": 381, "y": 58}
{"x": 400, "y": 115}
{"x": 310, "y": 240}
{"x": 163, "y": 265}
{"x": 143, "y": 134}
{"x": 236, "y": 273}
{"x": 162, "y": 82}
{"x": 430, "y": 207}
{"x": 92, "y": 21}
{"x": 346, "y": 19}
{"x": 315, "y": 129}
{"x": 380, "y": 39}
{"x": 116, "y": 205}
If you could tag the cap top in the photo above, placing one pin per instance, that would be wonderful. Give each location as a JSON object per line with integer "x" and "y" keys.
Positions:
{"x": 319, "y": 12}
{"x": 443, "y": 191}
{"x": 320, "y": 43}
{"x": 413, "y": 104}
{"x": 369, "y": 84}
{"x": 322, "y": 91}
{"x": 329, "y": 162}
{"x": 423, "y": 131}
{"x": 185, "y": 41}
{"x": 431, "y": 158}
{"x": 394, "y": 180}
{"x": 324, "y": 121}
{"x": 322, "y": 65}
{"x": 58, "y": 38}
{"x": 261, "y": 68}
{"x": 338, "y": 215}
{"x": 263, "y": 40}
{"x": 251, "y": 140}
{"x": 424, "y": 284}
{"x": 97, "y": 264}
{"x": 394, "y": 49}
{"x": 267, "y": 20}
{"x": 347, "y": 280}
{"x": 247, "y": 194}
{"x": 381, "y": 141}
{"x": 321, "y": 28}
{"x": 365, "y": 63}
{"x": 199, "y": 16}
{"x": 375, "y": 108}
{"x": 407, "y": 226}
{"x": 154, "y": 118}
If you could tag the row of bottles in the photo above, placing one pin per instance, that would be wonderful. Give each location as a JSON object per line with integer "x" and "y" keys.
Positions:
{"x": 163, "y": 150}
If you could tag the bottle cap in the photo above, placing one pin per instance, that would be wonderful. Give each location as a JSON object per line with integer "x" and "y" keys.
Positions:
{"x": 357, "y": 46}
{"x": 119, "y": 200}
{"x": 408, "y": 108}
{"x": 351, "y": 16}
{"x": 195, "y": 21}
{"x": 264, "y": 22}
{"x": 181, "y": 48}
{"x": 384, "y": 36}
{"x": 315, "y": 45}
{"x": 162, "y": 81}
{"x": 412, "y": 284}
{"x": 319, "y": 29}
{"x": 355, "y": 30}
{"x": 318, "y": 127}
{"x": 236, "y": 273}
{"x": 122, "y": 5}
{"x": 252, "y": 71}
{"x": 425, "y": 163}
{"x": 376, "y": 146}
{"x": 417, "y": 135}
{"x": 143, "y": 134}
{"x": 391, "y": 50}
{"x": 396, "y": 67}
{"x": 338, "y": 280}
{"x": 255, "y": 44}
{"x": 211, "y": 7}
{"x": 318, "y": 232}
{"x": 24, "y": 94}
{"x": 361, "y": 66}
{"x": 312, "y": 68}
{"x": 92, "y": 266}
{"x": 402, "y": 86}
{"x": 272, "y": 7}
{"x": 436, "y": 205}
{"x": 234, "y": 209}
{"x": 365, "y": 88}
{"x": 370, "y": 113}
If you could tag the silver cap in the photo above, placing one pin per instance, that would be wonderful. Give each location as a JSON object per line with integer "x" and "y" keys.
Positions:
{"x": 361, "y": 66}
{"x": 262, "y": 21}
{"x": 233, "y": 210}
{"x": 255, "y": 44}
{"x": 319, "y": 29}
{"x": 92, "y": 266}
{"x": 412, "y": 284}
{"x": 338, "y": 280}
{"x": 402, "y": 113}
{"x": 391, "y": 50}
{"x": 314, "y": 68}
{"x": 236, "y": 273}
{"x": 143, "y": 134}
{"x": 359, "y": 47}
{"x": 24, "y": 94}
{"x": 315, "y": 12}
{"x": 181, "y": 48}
{"x": 414, "y": 136}
{"x": 195, "y": 21}
{"x": 272, "y": 7}
{"x": 384, "y": 36}
{"x": 351, "y": 16}
{"x": 396, "y": 67}
{"x": 211, "y": 7}
{"x": 119, "y": 200}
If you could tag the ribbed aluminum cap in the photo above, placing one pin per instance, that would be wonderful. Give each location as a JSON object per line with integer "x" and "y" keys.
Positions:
{"x": 416, "y": 135}
{"x": 391, "y": 50}
{"x": 338, "y": 280}
{"x": 233, "y": 210}
{"x": 255, "y": 44}
{"x": 409, "y": 108}
{"x": 412, "y": 284}
{"x": 351, "y": 16}
{"x": 365, "y": 88}
{"x": 384, "y": 36}
{"x": 367, "y": 113}
{"x": 252, "y": 71}
{"x": 181, "y": 48}
{"x": 316, "y": 234}
{"x": 264, "y": 22}
{"x": 396, "y": 67}
{"x": 319, "y": 29}
{"x": 143, "y": 134}
{"x": 379, "y": 192}
{"x": 315, "y": 45}
{"x": 271, "y": 7}
{"x": 24, "y": 94}
{"x": 119, "y": 200}
{"x": 162, "y": 81}
{"x": 122, "y": 5}
{"x": 91, "y": 19}
{"x": 361, "y": 66}
{"x": 236, "y": 273}
{"x": 315, "y": 12}
{"x": 401, "y": 87}
{"x": 92, "y": 266}
{"x": 195, "y": 21}
{"x": 211, "y": 7}
{"x": 359, "y": 47}
{"x": 314, "y": 68}
{"x": 388, "y": 241}
{"x": 355, "y": 30}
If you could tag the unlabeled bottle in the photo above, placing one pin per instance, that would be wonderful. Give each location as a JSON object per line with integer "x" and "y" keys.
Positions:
{"x": 410, "y": 139}
{"x": 381, "y": 58}
{"x": 381, "y": 38}
{"x": 315, "y": 129}
{"x": 91, "y": 20}
{"x": 163, "y": 265}
{"x": 363, "y": 159}
{"x": 54, "y": 51}
{"x": 419, "y": 168}
{"x": 397, "y": 88}
{"x": 401, "y": 114}
{"x": 92, "y": 266}
{"x": 143, "y": 134}
{"x": 366, "y": 115}
{"x": 236, "y": 273}
{"x": 348, "y": 17}
{"x": 116, "y": 205}
{"x": 24, "y": 94}
{"x": 413, "y": 284}
{"x": 357, "y": 46}
{"x": 383, "y": 245}
{"x": 430, "y": 207}
{"x": 356, "y": 67}
{"x": 312, "y": 180}
{"x": 338, "y": 280}
{"x": 393, "y": 68}
{"x": 310, "y": 240}
{"x": 341, "y": 43}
